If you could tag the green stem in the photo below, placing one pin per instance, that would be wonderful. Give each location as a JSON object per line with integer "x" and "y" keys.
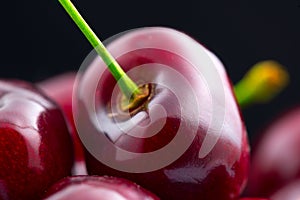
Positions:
{"x": 127, "y": 86}
{"x": 243, "y": 94}
{"x": 261, "y": 83}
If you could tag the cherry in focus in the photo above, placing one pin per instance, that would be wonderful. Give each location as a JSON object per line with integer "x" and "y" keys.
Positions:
{"x": 222, "y": 172}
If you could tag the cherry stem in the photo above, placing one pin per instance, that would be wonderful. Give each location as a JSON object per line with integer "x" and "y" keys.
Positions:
{"x": 127, "y": 86}
{"x": 261, "y": 83}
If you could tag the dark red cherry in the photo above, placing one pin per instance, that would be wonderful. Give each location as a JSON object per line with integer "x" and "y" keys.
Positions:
{"x": 213, "y": 166}
{"x": 97, "y": 188}
{"x": 276, "y": 160}
{"x": 60, "y": 89}
{"x": 35, "y": 145}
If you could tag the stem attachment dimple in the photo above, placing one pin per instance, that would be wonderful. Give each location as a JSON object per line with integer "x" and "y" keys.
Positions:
{"x": 127, "y": 86}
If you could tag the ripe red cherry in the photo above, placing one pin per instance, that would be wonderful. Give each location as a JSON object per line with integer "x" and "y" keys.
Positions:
{"x": 288, "y": 192}
{"x": 60, "y": 89}
{"x": 97, "y": 188}
{"x": 222, "y": 173}
{"x": 276, "y": 160}
{"x": 204, "y": 162}
{"x": 35, "y": 145}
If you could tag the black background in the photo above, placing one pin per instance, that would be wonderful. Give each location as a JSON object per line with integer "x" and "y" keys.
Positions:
{"x": 38, "y": 40}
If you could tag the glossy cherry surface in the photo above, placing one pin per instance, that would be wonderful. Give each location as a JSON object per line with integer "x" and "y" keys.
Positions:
{"x": 222, "y": 173}
{"x": 276, "y": 160}
{"x": 35, "y": 145}
{"x": 60, "y": 89}
{"x": 97, "y": 188}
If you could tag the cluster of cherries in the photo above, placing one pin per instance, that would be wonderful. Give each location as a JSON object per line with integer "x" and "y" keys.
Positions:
{"x": 42, "y": 157}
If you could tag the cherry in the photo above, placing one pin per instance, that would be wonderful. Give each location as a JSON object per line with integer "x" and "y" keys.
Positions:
{"x": 97, "y": 188}
{"x": 189, "y": 176}
{"x": 35, "y": 145}
{"x": 288, "y": 192}
{"x": 60, "y": 89}
{"x": 210, "y": 167}
{"x": 276, "y": 160}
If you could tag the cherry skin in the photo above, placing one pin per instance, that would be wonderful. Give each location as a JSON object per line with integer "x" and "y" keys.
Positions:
{"x": 276, "y": 160}
{"x": 97, "y": 188}
{"x": 288, "y": 192}
{"x": 222, "y": 173}
{"x": 35, "y": 145}
{"x": 60, "y": 89}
